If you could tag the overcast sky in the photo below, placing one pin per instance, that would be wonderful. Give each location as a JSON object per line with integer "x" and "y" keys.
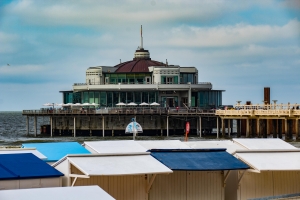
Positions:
{"x": 238, "y": 46}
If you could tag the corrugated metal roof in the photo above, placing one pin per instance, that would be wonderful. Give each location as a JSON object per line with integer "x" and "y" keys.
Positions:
{"x": 137, "y": 66}
{"x": 110, "y": 165}
{"x": 272, "y": 161}
{"x": 264, "y": 143}
{"x": 25, "y": 166}
{"x": 57, "y": 150}
{"x": 57, "y": 193}
{"x": 230, "y": 146}
{"x": 198, "y": 159}
{"x": 115, "y": 146}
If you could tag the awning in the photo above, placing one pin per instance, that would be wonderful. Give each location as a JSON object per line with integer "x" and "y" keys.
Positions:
{"x": 118, "y": 164}
{"x": 264, "y": 143}
{"x": 162, "y": 144}
{"x": 57, "y": 193}
{"x": 198, "y": 159}
{"x": 114, "y": 146}
{"x": 272, "y": 160}
{"x": 25, "y": 166}
{"x": 230, "y": 146}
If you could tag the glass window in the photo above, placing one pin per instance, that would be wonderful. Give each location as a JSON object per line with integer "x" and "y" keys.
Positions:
{"x": 91, "y": 97}
{"x": 109, "y": 99}
{"x": 137, "y": 97}
{"x": 85, "y": 97}
{"x": 103, "y": 99}
{"x": 145, "y": 97}
{"x": 129, "y": 97}
{"x": 97, "y": 94}
{"x": 115, "y": 99}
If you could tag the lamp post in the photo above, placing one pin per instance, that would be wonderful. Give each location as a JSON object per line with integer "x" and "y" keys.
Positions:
{"x": 274, "y": 101}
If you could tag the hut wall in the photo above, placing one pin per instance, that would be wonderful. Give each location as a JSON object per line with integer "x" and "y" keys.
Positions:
{"x": 130, "y": 187}
{"x": 30, "y": 183}
{"x": 270, "y": 183}
{"x": 188, "y": 185}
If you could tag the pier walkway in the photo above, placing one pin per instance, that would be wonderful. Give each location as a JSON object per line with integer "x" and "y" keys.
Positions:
{"x": 262, "y": 120}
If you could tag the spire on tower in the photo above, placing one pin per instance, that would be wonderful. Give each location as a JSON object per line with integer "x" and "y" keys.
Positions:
{"x": 141, "y": 47}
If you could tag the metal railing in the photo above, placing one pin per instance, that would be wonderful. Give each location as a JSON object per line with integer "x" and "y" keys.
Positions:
{"x": 121, "y": 110}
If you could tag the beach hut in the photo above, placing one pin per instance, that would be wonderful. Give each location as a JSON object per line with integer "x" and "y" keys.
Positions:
{"x": 57, "y": 193}
{"x": 272, "y": 173}
{"x": 23, "y": 150}
{"x": 123, "y": 176}
{"x": 57, "y": 150}
{"x": 197, "y": 173}
{"x": 114, "y": 146}
{"x": 25, "y": 170}
{"x": 275, "y": 168}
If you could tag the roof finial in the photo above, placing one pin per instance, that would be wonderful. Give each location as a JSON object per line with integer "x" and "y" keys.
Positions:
{"x": 141, "y": 47}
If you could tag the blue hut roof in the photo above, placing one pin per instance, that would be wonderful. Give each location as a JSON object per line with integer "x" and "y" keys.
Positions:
{"x": 198, "y": 159}
{"x": 54, "y": 151}
{"x": 25, "y": 166}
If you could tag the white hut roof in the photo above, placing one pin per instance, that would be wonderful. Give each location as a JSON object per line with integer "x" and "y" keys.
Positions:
{"x": 114, "y": 146}
{"x": 163, "y": 144}
{"x": 57, "y": 193}
{"x": 230, "y": 146}
{"x": 23, "y": 150}
{"x": 271, "y": 160}
{"x": 117, "y": 164}
{"x": 264, "y": 143}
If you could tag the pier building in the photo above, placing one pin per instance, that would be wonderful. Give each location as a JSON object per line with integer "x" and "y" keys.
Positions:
{"x": 171, "y": 95}
{"x": 144, "y": 80}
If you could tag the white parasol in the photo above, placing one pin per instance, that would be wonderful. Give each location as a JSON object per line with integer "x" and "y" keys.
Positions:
{"x": 48, "y": 104}
{"x": 77, "y": 104}
{"x": 86, "y": 104}
{"x": 154, "y": 104}
{"x": 59, "y": 104}
{"x": 121, "y": 104}
{"x": 68, "y": 104}
{"x": 144, "y": 104}
{"x": 131, "y": 104}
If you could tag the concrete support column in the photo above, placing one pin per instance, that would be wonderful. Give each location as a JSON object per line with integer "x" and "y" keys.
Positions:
{"x": 223, "y": 127}
{"x": 238, "y": 127}
{"x": 280, "y": 128}
{"x": 113, "y": 132}
{"x": 51, "y": 127}
{"x": 35, "y": 126}
{"x": 274, "y": 128}
{"x": 247, "y": 127}
{"x": 229, "y": 127}
{"x": 297, "y": 128}
{"x": 268, "y": 127}
{"x": 74, "y": 126}
{"x": 257, "y": 128}
{"x": 27, "y": 125}
{"x": 217, "y": 127}
{"x": 167, "y": 126}
{"x": 161, "y": 132}
{"x": 200, "y": 126}
{"x": 103, "y": 130}
{"x": 286, "y": 129}
{"x": 189, "y": 97}
{"x": 90, "y": 124}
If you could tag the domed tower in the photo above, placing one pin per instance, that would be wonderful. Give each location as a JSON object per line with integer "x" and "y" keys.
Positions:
{"x": 140, "y": 62}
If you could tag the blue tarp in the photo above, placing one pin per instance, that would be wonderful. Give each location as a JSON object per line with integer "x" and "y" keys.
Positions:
{"x": 197, "y": 159}
{"x": 54, "y": 151}
{"x": 25, "y": 166}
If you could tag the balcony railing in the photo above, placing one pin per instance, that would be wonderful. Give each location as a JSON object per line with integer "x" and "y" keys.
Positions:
{"x": 121, "y": 110}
